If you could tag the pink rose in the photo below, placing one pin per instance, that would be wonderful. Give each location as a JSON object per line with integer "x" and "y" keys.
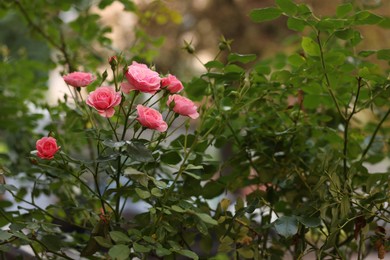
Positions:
{"x": 79, "y": 79}
{"x": 183, "y": 106}
{"x": 172, "y": 84}
{"x": 47, "y": 147}
{"x": 141, "y": 78}
{"x": 104, "y": 99}
{"x": 151, "y": 118}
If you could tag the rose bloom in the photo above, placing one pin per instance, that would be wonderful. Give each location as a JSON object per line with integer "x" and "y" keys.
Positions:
{"x": 141, "y": 78}
{"x": 104, "y": 99}
{"x": 183, "y": 106}
{"x": 47, "y": 147}
{"x": 151, "y": 118}
{"x": 172, "y": 84}
{"x": 79, "y": 79}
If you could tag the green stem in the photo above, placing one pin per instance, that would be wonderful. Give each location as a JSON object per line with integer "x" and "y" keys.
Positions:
{"x": 346, "y": 128}
{"x": 113, "y": 129}
{"x": 128, "y": 115}
{"x": 328, "y": 86}
{"x": 374, "y": 134}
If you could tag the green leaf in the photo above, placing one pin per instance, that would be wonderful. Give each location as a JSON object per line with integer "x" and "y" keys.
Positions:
{"x": 366, "y": 17}
{"x": 356, "y": 38}
{"x": 160, "y": 184}
{"x": 138, "y": 152}
{"x": 345, "y": 206}
{"x": 212, "y": 189}
{"x": 191, "y": 174}
{"x": 160, "y": 251}
{"x": 196, "y": 89}
{"x": 143, "y": 194}
{"x": 296, "y": 60}
{"x": 140, "y": 248}
{"x": 304, "y": 10}
{"x": 140, "y": 177}
{"x": 246, "y": 252}
{"x": 243, "y": 58}
{"x": 287, "y": 6}
{"x": 5, "y": 235}
{"x": 383, "y": 54}
{"x": 345, "y": 34}
{"x": 296, "y": 24}
{"x": 214, "y": 64}
{"x": 286, "y": 226}
{"x": 156, "y": 192}
{"x": 330, "y": 24}
{"x": 113, "y": 144}
{"x": 366, "y": 54}
{"x": 111, "y": 157}
{"x": 177, "y": 209}
{"x": 310, "y": 221}
{"x": 265, "y": 14}
{"x": 343, "y": 10}
{"x": 129, "y": 5}
{"x": 7, "y": 187}
{"x": 172, "y": 157}
{"x": 104, "y": 242}
{"x": 334, "y": 58}
{"x": 207, "y": 219}
{"x": 52, "y": 242}
{"x": 385, "y": 23}
{"x": 119, "y": 252}
{"x": 119, "y": 237}
{"x": 187, "y": 253}
{"x": 310, "y": 46}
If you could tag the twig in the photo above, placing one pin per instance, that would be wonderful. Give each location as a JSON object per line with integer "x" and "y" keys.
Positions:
{"x": 327, "y": 77}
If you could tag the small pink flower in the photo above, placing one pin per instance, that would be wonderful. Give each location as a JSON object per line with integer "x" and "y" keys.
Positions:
{"x": 172, "y": 84}
{"x": 104, "y": 99}
{"x": 183, "y": 106}
{"x": 47, "y": 147}
{"x": 79, "y": 79}
{"x": 151, "y": 118}
{"x": 141, "y": 78}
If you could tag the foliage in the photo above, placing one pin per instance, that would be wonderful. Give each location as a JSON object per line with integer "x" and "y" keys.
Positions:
{"x": 295, "y": 150}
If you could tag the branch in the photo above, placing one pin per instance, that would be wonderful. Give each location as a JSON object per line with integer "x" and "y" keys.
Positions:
{"x": 61, "y": 47}
{"x": 327, "y": 78}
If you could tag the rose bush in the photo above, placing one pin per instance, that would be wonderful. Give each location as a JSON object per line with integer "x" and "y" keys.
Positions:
{"x": 256, "y": 176}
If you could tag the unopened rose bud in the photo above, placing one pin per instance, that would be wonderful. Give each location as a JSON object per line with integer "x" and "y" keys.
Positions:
{"x": 188, "y": 47}
{"x": 104, "y": 75}
{"x": 222, "y": 46}
{"x": 113, "y": 61}
{"x": 33, "y": 161}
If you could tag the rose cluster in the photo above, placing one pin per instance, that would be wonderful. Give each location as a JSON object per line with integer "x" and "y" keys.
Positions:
{"x": 105, "y": 99}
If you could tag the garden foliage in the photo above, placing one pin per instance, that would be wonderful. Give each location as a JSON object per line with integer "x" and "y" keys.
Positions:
{"x": 272, "y": 160}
